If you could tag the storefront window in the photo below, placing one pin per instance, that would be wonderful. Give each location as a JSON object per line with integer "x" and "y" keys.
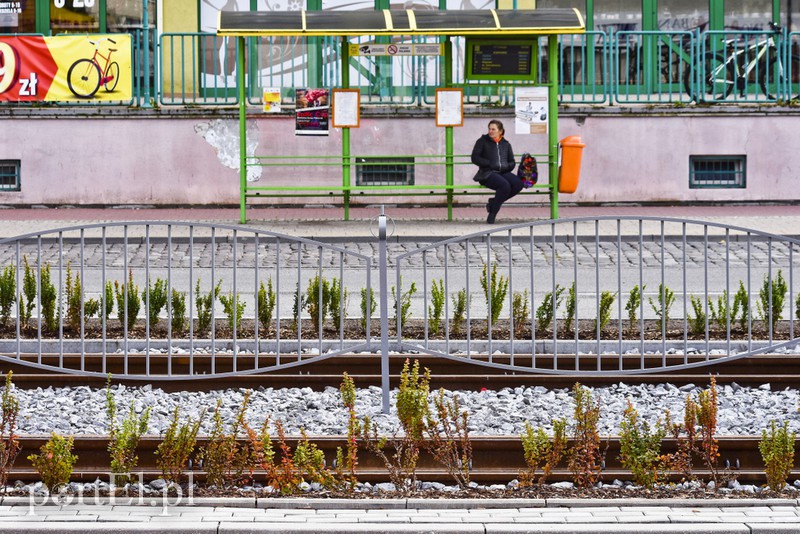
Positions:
{"x": 790, "y": 15}
{"x": 682, "y": 15}
{"x": 17, "y": 16}
{"x": 126, "y": 15}
{"x": 74, "y": 16}
{"x": 748, "y": 14}
{"x": 619, "y": 15}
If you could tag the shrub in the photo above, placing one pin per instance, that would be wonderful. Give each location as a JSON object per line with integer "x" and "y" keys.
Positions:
{"x": 346, "y": 465}
{"x": 48, "y": 299}
{"x": 772, "y": 295}
{"x": 585, "y": 458}
{"x": 133, "y": 301}
{"x": 75, "y": 298}
{"x": 174, "y": 451}
{"x": 27, "y": 302}
{"x": 520, "y": 311}
{"x": 697, "y": 321}
{"x": 547, "y": 310}
{"x": 309, "y": 460}
{"x": 448, "y": 438}
{"x": 542, "y": 452}
{"x": 55, "y": 462}
{"x": 155, "y": 299}
{"x": 109, "y": 300}
{"x": 436, "y": 309}
{"x": 123, "y": 439}
{"x": 495, "y": 290}
{"x": 298, "y": 306}
{"x": 724, "y": 312}
{"x": 8, "y": 293}
{"x": 572, "y": 301}
{"x": 178, "y": 305}
{"x": 367, "y": 306}
{"x": 412, "y": 411}
{"x": 337, "y": 305}
{"x": 741, "y": 304}
{"x": 266, "y": 305}
{"x": 665, "y": 299}
{"x": 405, "y": 302}
{"x": 9, "y": 441}
{"x": 640, "y": 447}
{"x": 460, "y": 304}
{"x": 225, "y": 459}
{"x": 233, "y": 307}
{"x": 205, "y": 306}
{"x": 777, "y": 451}
{"x": 634, "y": 304}
{"x": 607, "y": 299}
{"x": 706, "y": 410}
{"x": 318, "y": 301}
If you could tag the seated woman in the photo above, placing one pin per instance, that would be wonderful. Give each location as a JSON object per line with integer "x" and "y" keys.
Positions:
{"x": 495, "y": 160}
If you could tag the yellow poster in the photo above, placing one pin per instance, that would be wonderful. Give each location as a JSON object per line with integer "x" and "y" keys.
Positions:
{"x": 66, "y": 68}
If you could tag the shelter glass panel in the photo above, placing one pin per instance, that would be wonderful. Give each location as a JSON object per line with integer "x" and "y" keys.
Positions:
{"x": 790, "y": 15}
{"x": 126, "y": 15}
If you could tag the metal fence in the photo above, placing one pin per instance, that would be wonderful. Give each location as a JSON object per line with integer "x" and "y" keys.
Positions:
{"x": 171, "y": 300}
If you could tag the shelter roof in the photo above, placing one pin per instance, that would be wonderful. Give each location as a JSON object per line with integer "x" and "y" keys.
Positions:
{"x": 486, "y": 22}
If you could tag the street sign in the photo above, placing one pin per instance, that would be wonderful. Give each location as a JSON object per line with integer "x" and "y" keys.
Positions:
{"x": 373, "y": 49}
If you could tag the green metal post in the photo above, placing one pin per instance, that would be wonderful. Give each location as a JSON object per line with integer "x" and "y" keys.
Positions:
{"x": 240, "y": 84}
{"x": 552, "y": 122}
{"x": 448, "y": 131}
{"x": 345, "y": 54}
{"x": 589, "y": 15}
{"x": 314, "y": 54}
{"x": 146, "y": 53}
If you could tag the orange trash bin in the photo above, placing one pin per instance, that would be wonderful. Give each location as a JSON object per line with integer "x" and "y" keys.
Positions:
{"x": 569, "y": 173}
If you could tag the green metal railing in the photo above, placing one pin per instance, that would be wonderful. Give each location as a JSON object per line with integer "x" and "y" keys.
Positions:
{"x": 626, "y": 67}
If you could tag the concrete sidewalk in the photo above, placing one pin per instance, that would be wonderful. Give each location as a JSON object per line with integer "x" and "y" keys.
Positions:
{"x": 335, "y": 516}
{"x": 418, "y": 223}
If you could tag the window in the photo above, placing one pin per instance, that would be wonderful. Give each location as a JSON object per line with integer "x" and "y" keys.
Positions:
{"x": 384, "y": 171}
{"x": 9, "y": 175}
{"x": 708, "y": 172}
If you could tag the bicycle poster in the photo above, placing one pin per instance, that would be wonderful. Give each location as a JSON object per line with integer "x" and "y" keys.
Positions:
{"x": 89, "y": 68}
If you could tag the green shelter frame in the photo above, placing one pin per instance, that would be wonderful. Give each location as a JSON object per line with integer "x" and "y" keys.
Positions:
{"x": 491, "y": 23}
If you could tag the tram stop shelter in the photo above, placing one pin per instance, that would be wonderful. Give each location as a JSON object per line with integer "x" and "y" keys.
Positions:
{"x": 497, "y": 29}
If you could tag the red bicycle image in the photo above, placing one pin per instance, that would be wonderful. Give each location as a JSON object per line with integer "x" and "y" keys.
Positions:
{"x": 86, "y": 75}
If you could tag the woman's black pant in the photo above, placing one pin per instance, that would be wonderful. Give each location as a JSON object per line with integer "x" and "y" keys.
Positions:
{"x": 505, "y": 185}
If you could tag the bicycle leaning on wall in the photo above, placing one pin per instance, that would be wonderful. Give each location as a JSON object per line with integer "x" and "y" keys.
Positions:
{"x": 86, "y": 75}
{"x": 740, "y": 64}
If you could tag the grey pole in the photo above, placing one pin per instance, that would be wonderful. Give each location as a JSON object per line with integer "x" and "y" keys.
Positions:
{"x": 384, "y": 309}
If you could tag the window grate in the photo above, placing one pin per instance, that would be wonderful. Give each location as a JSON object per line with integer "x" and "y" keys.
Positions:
{"x": 709, "y": 172}
{"x": 384, "y": 171}
{"x": 9, "y": 175}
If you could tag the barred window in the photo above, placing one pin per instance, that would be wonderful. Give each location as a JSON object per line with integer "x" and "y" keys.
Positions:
{"x": 9, "y": 175}
{"x": 384, "y": 170}
{"x": 706, "y": 172}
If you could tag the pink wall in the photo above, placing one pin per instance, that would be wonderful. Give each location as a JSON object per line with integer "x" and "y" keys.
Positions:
{"x": 155, "y": 159}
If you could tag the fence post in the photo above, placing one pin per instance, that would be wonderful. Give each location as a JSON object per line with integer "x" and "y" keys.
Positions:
{"x": 384, "y": 310}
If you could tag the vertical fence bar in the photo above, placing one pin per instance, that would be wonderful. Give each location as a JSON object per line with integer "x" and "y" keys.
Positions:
{"x": 320, "y": 302}
{"x": 619, "y": 293}
{"x": 424, "y": 297}
{"x": 384, "y": 311}
{"x": 533, "y": 293}
{"x": 664, "y": 304}
{"x": 728, "y": 290}
{"x": 82, "y": 286}
{"x": 685, "y": 294}
{"x": 18, "y": 276}
{"x": 235, "y": 304}
{"x": 342, "y": 303}
{"x": 487, "y": 270}
{"x": 749, "y": 298}
{"x": 554, "y": 300}
{"x": 574, "y": 296}
{"x": 769, "y": 278}
{"x": 256, "y": 290}
{"x": 511, "y": 297}
{"x": 191, "y": 306}
{"x": 446, "y": 300}
{"x": 125, "y": 289}
{"x": 39, "y": 318}
{"x": 104, "y": 299}
{"x": 170, "y": 310}
{"x": 299, "y": 296}
{"x": 469, "y": 301}
{"x": 597, "y": 287}
{"x": 148, "y": 297}
{"x": 278, "y": 302}
{"x": 213, "y": 299}
{"x": 641, "y": 295}
{"x": 61, "y": 300}
{"x": 705, "y": 283}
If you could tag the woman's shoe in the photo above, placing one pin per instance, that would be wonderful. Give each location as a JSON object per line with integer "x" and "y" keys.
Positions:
{"x": 492, "y": 215}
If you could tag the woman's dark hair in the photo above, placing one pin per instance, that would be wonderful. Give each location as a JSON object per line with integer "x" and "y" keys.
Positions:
{"x": 498, "y": 124}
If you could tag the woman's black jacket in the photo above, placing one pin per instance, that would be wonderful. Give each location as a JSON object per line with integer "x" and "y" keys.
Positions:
{"x": 490, "y": 156}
